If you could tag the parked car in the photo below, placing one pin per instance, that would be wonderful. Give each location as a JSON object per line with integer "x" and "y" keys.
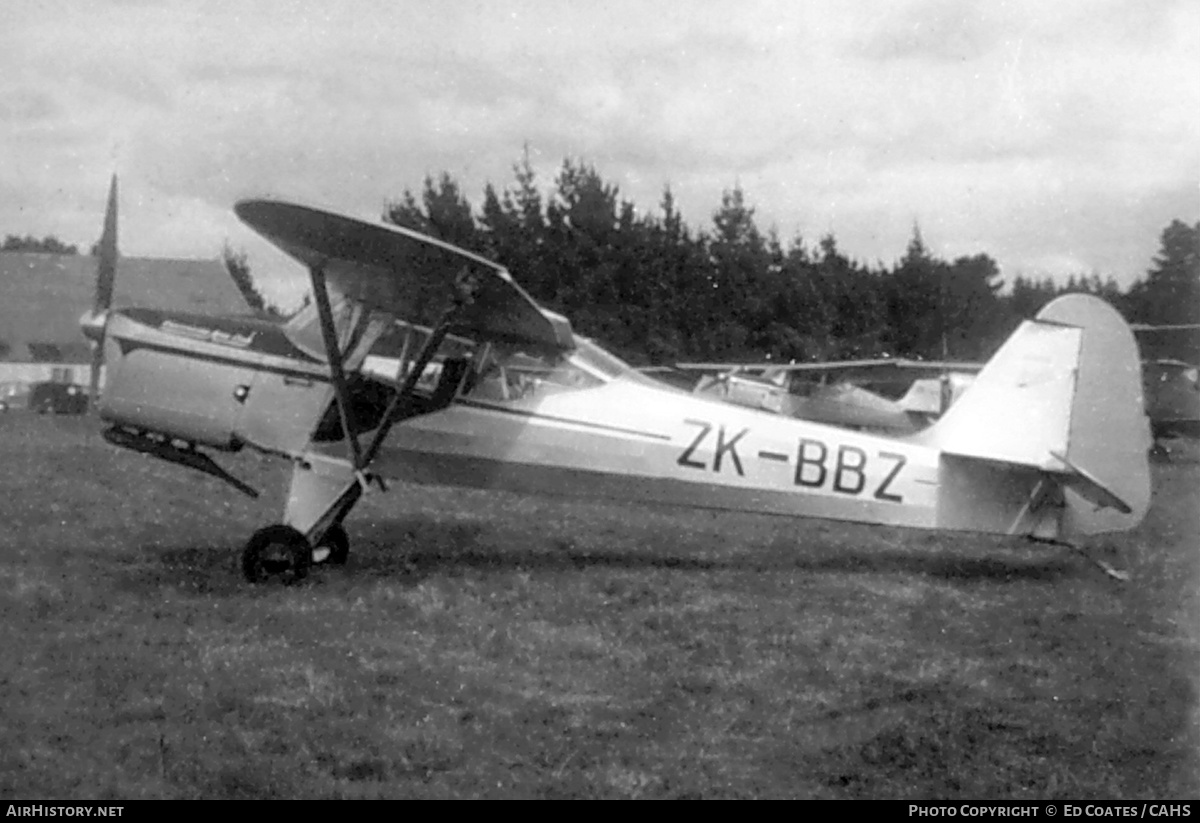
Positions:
{"x": 58, "y": 398}
{"x": 13, "y": 396}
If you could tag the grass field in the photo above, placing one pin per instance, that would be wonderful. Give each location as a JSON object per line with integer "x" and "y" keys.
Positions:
{"x": 490, "y": 645}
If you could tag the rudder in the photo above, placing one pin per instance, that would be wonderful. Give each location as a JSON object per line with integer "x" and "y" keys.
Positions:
{"x": 1110, "y": 433}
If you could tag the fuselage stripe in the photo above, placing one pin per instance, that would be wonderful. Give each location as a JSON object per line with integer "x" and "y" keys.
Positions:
{"x": 233, "y": 359}
{"x": 475, "y": 404}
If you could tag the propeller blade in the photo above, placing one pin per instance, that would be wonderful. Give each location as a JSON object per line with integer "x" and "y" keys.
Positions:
{"x": 106, "y": 274}
{"x": 106, "y": 270}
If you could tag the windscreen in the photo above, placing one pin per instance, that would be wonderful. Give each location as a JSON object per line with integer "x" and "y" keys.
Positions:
{"x": 507, "y": 374}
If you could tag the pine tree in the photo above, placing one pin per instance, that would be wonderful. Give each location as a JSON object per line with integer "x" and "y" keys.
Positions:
{"x": 1170, "y": 294}
{"x": 238, "y": 266}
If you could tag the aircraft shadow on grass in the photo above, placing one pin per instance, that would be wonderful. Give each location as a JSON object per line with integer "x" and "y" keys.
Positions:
{"x": 415, "y": 549}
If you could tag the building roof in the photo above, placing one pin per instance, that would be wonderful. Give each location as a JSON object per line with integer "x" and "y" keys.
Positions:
{"x": 42, "y": 297}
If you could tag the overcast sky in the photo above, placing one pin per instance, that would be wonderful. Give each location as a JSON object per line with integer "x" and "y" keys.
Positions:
{"x": 1057, "y": 137}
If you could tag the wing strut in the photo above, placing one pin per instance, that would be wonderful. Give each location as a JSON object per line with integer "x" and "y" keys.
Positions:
{"x": 334, "y": 352}
{"x": 315, "y": 504}
{"x": 465, "y": 287}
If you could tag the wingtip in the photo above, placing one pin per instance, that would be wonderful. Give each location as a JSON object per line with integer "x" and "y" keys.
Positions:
{"x": 246, "y": 207}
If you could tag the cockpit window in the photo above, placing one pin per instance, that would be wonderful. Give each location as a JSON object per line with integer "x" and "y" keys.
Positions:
{"x": 497, "y": 372}
{"x": 504, "y": 375}
{"x": 510, "y": 375}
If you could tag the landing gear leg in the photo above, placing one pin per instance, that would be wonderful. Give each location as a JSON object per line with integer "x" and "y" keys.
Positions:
{"x": 322, "y": 494}
{"x": 323, "y": 491}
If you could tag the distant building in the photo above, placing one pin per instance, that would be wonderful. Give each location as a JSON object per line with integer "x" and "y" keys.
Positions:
{"x": 42, "y": 297}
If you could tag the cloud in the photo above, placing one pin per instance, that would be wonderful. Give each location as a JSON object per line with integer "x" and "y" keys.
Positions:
{"x": 936, "y": 30}
{"x": 989, "y": 123}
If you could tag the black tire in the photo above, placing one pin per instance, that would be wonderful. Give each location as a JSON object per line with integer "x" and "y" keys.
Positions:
{"x": 278, "y": 552}
{"x": 338, "y": 543}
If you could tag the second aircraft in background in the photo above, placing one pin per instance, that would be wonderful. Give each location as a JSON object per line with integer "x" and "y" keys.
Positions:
{"x": 895, "y": 396}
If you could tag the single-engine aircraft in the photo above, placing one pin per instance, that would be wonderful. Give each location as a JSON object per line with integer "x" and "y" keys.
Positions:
{"x": 1050, "y": 442}
{"x": 892, "y": 395}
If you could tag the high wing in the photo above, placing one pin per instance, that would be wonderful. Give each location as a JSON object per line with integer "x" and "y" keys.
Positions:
{"x": 404, "y": 274}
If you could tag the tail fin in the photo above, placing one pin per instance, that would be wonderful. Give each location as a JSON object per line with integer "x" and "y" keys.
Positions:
{"x": 1063, "y": 396}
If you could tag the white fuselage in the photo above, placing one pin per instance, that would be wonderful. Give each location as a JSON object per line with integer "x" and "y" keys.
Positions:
{"x": 632, "y": 441}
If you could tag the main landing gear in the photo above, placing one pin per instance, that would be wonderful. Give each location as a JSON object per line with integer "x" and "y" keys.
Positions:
{"x": 324, "y": 488}
{"x": 282, "y": 553}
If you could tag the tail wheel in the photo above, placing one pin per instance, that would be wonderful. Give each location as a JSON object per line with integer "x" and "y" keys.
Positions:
{"x": 276, "y": 552}
{"x": 333, "y": 548}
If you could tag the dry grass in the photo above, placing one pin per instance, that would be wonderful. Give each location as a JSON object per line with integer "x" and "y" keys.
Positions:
{"x": 488, "y": 645}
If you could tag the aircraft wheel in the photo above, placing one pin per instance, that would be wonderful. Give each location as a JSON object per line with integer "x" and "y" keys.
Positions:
{"x": 334, "y": 547}
{"x": 278, "y": 552}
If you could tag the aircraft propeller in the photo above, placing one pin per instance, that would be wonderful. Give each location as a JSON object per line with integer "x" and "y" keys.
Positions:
{"x": 95, "y": 321}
